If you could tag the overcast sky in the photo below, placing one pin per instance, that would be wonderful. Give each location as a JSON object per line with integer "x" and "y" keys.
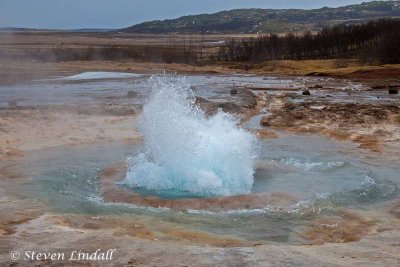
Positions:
{"x": 74, "y": 14}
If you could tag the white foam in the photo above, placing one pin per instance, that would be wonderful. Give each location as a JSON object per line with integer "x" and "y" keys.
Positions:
{"x": 309, "y": 165}
{"x": 187, "y": 151}
{"x": 367, "y": 180}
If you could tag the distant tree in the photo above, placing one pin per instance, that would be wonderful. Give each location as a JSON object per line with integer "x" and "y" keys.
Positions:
{"x": 376, "y": 41}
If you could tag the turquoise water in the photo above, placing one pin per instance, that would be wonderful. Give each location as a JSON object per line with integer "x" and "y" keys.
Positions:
{"x": 187, "y": 151}
{"x": 66, "y": 178}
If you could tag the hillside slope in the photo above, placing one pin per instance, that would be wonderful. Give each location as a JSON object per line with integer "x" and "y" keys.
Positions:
{"x": 271, "y": 20}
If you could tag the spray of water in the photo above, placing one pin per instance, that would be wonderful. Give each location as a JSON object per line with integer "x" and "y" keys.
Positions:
{"x": 187, "y": 151}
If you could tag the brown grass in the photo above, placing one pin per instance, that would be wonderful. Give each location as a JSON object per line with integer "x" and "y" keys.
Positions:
{"x": 15, "y": 65}
{"x": 346, "y": 68}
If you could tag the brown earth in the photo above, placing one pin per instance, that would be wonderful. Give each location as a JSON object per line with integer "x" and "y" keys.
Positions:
{"x": 346, "y": 227}
{"x": 369, "y": 125}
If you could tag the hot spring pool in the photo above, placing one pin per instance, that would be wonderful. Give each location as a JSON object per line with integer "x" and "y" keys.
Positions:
{"x": 324, "y": 175}
{"x": 187, "y": 155}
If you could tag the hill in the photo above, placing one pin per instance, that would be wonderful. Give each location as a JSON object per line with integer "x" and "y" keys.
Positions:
{"x": 271, "y": 20}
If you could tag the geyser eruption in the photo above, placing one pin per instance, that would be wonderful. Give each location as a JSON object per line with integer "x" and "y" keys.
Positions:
{"x": 186, "y": 151}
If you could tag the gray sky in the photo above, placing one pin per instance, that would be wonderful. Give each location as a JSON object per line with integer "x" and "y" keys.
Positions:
{"x": 74, "y": 14}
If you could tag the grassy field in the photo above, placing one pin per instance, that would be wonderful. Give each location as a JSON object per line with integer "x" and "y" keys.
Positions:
{"x": 36, "y": 45}
{"x": 346, "y": 68}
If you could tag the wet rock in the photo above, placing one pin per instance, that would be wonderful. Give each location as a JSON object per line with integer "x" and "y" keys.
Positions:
{"x": 349, "y": 117}
{"x": 368, "y": 142}
{"x": 246, "y": 100}
{"x": 393, "y": 90}
{"x": 134, "y": 261}
{"x": 317, "y": 86}
{"x": 265, "y": 122}
{"x": 264, "y": 134}
{"x": 306, "y": 92}
{"x": 207, "y": 106}
{"x": 234, "y": 91}
{"x": 289, "y": 106}
{"x": 378, "y": 87}
{"x": 229, "y": 107}
{"x": 211, "y": 108}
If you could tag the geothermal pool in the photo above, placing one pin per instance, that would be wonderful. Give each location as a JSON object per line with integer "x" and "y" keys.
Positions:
{"x": 188, "y": 155}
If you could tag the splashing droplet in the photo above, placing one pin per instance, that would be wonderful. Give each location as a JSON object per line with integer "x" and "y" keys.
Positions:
{"x": 187, "y": 151}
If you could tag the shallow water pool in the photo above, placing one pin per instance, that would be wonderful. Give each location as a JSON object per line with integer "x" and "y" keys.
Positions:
{"x": 315, "y": 177}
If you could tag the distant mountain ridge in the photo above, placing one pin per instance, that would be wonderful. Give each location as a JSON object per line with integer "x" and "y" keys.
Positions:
{"x": 271, "y": 20}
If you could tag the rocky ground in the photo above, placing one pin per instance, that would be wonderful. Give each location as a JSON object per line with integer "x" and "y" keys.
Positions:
{"x": 137, "y": 246}
{"x": 374, "y": 126}
{"x": 27, "y": 224}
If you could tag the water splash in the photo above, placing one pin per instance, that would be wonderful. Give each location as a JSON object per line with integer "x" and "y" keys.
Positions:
{"x": 185, "y": 150}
